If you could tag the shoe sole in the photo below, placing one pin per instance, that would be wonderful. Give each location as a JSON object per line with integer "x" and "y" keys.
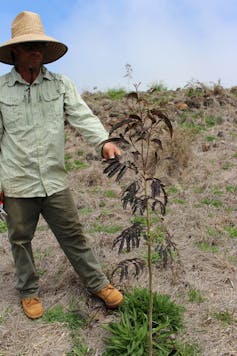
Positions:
{"x": 115, "y": 305}
{"x": 37, "y": 316}
{"x": 33, "y": 317}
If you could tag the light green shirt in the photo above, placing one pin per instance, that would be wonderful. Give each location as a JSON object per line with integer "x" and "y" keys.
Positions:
{"x": 32, "y": 132}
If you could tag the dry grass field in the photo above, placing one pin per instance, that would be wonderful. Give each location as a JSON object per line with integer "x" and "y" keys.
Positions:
{"x": 201, "y": 183}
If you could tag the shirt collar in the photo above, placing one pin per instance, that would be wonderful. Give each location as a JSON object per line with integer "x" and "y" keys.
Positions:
{"x": 15, "y": 77}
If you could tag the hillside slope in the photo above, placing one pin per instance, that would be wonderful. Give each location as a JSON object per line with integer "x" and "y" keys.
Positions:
{"x": 201, "y": 217}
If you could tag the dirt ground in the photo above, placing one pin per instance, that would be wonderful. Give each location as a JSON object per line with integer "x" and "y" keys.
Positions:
{"x": 201, "y": 217}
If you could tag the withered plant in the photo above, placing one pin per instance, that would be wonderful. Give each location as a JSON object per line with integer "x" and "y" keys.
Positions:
{"x": 140, "y": 137}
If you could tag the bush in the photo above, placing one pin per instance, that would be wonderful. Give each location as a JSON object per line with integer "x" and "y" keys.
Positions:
{"x": 116, "y": 94}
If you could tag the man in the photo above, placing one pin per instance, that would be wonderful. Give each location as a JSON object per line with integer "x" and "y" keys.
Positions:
{"x": 33, "y": 104}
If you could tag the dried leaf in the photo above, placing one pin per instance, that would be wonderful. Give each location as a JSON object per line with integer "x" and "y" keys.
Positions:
{"x": 132, "y": 95}
{"x": 124, "y": 265}
{"x": 134, "y": 127}
{"x": 112, "y": 164}
{"x": 161, "y": 204}
{"x": 115, "y": 166}
{"x": 135, "y": 117}
{"x": 153, "y": 119}
{"x": 136, "y": 155}
{"x": 143, "y": 134}
{"x": 156, "y": 158}
{"x": 166, "y": 249}
{"x": 121, "y": 173}
{"x": 118, "y": 125}
{"x": 139, "y": 204}
{"x": 156, "y": 140}
{"x": 155, "y": 187}
{"x": 131, "y": 118}
{"x": 129, "y": 237}
{"x": 164, "y": 118}
{"x": 114, "y": 170}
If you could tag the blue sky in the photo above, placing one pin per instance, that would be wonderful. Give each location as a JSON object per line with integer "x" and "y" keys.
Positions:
{"x": 168, "y": 41}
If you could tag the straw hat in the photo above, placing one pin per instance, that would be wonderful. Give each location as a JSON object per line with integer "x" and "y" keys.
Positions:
{"x": 27, "y": 27}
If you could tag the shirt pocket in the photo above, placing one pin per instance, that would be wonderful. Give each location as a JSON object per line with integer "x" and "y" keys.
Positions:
{"x": 52, "y": 100}
{"x": 12, "y": 110}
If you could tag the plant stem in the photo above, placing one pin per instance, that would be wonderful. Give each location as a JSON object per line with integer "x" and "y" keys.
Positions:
{"x": 150, "y": 287}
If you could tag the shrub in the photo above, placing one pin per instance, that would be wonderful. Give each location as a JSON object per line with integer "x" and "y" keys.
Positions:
{"x": 116, "y": 94}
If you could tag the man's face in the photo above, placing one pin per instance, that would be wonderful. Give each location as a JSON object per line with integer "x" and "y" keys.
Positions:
{"x": 29, "y": 54}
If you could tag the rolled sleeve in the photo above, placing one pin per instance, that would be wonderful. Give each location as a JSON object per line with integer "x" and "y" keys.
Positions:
{"x": 82, "y": 118}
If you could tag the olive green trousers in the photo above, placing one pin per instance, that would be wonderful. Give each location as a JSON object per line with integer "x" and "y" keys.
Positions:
{"x": 60, "y": 213}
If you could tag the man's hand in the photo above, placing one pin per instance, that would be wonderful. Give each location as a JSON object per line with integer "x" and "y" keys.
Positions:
{"x": 1, "y": 198}
{"x": 109, "y": 150}
{"x": 3, "y": 214}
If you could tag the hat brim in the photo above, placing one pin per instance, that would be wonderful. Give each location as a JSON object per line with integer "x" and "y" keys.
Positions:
{"x": 54, "y": 51}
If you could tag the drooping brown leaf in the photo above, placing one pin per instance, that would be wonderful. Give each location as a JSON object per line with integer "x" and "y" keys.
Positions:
{"x": 151, "y": 116}
{"x": 135, "y": 117}
{"x": 136, "y": 155}
{"x": 129, "y": 194}
{"x": 161, "y": 204}
{"x": 121, "y": 173}
{"x": 118, "y": 125}
{"x": 130, "y": 237}
{"x": 143, "y": 134}
{"x": 139, "y": 205}
{"x": 156, "y": 188}
{"x": 166, "y": 249}
{"x": 132, "y": 95}
{"x": 158, "y": 141}
{"x": 164, "y": 118}
{"x": 131, "y": 118}
{"x": 114, "y": 166}
{"x": 134, "y": 128}
{"x": 123, "y": 266}
{"x": 156, "y": 158}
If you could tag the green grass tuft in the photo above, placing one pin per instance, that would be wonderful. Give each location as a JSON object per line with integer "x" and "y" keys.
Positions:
{"x": 3, "y": 226}
{"x": 232, "y": 231}
{"x": 206, "y": 246}
{"x": 163, "y": 309}
{"x": 57, "y": 314}
{"x": 195, "y": 296}
{"x": 231, "y": 188}
{"x": 108, "y": 229}
{"x": 128, "y": 337}
{"x": 225, "y": 317}
{"x": 212, "y": 202}
{"x": 158, "y": 86}
{"x": 110, "y": 194}
{"x": 79, "y": 348}
{"x": 116, "y": 94}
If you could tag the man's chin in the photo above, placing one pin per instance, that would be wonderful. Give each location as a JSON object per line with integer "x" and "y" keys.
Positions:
{"x": 35, "y": 66}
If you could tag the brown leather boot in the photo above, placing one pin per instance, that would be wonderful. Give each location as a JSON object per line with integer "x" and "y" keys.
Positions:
{"x": 111, "y": 296}
{"x": 32, "y": 307}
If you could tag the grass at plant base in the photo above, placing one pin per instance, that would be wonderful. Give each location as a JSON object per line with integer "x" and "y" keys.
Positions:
{"x": 129, "y": 336}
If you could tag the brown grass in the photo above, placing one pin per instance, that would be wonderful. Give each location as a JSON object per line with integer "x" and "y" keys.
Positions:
{"x": 197, "y": 179}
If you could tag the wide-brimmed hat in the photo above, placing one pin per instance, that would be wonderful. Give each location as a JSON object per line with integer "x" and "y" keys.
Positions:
{"x": 27, "y": 27}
